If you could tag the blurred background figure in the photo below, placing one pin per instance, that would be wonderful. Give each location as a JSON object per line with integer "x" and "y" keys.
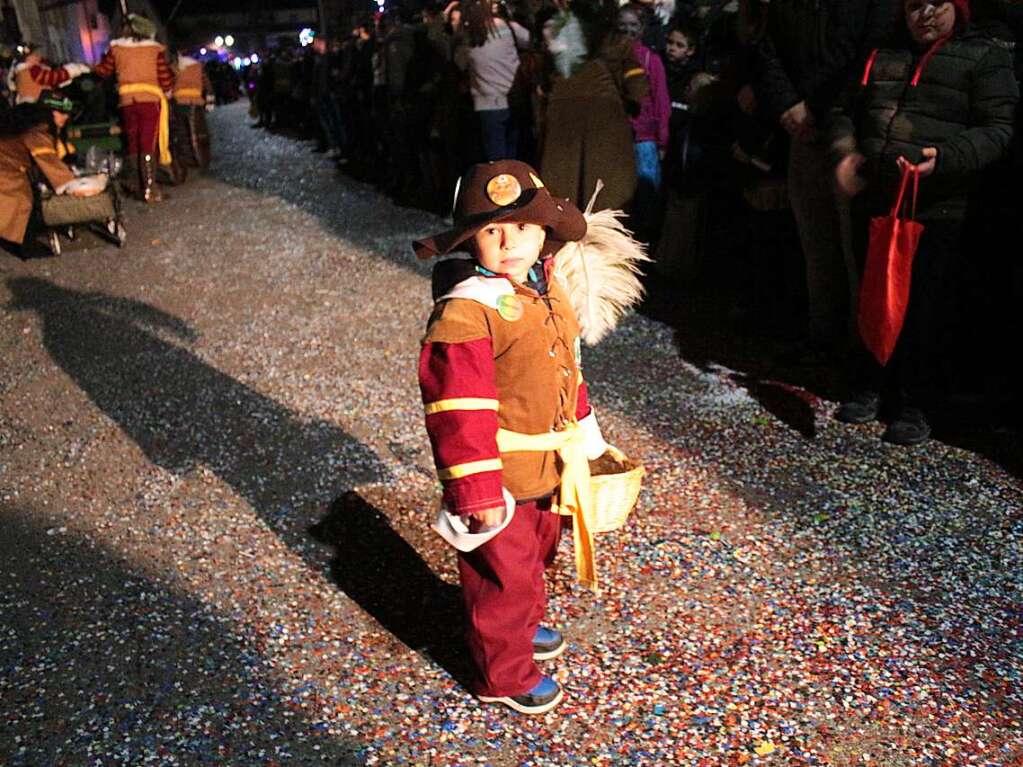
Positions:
{"x": 193, "y": 94}
{"x": 31, "y": 75}
{"x": 649, "y": 128}
{"x": 144, "y": 80}
{"x": 489, "y": 52}
{"x": 594, "y": 78}
{"x": 941, "y": 98}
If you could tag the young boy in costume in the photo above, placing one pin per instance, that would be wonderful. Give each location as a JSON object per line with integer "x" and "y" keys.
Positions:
{"x": 508, "y": 419}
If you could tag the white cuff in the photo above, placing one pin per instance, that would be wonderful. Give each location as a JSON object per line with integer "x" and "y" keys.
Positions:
{"x": 452, "y": 528}
{"x": 595, "y": 444}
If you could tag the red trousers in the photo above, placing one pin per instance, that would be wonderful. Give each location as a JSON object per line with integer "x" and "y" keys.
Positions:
{"x": 505, "y": 598}
{"x": 141, "y": 123}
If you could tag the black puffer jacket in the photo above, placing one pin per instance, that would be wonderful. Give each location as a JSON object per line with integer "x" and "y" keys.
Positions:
{"x": 963, "y": 104}
{"x": 811, "y": 46}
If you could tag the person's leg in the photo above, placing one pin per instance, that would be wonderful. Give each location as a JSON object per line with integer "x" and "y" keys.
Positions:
{"x": 330, "y": 121}
{"x": 865, "y": 375}
{"x": 342, "y": 135}
{"x": 820, "y": 233}
{"x": 493, "y": 129}
{"x": 201, "y": 136}
{"x": 648, "y": 182}
{"x": 148, "y": 132}
{"x": 499, "y": 593}
{"x": 548, "y": 534}
{"x": 132, "y": 173}
{"x": 511, "y": 136}
{"x": 917, "y": 350}
{"x": 149, "y": 127}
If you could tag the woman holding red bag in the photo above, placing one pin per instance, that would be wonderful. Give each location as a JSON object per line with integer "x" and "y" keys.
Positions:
{"x": 939, "y": 105}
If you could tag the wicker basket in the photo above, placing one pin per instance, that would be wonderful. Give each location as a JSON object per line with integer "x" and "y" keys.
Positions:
{"x": 614, "y": 495}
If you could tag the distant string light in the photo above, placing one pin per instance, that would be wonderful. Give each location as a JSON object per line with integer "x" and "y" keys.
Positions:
{"x": 218, "y": 41}
{"x": 229, "y": 41}
{"x": 306, "y": 37}
{"x": 202, "y": 51}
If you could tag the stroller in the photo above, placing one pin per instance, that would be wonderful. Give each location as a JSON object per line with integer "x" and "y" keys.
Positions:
{"x": 95, "y": 138}
{"x": 101, "y": 213}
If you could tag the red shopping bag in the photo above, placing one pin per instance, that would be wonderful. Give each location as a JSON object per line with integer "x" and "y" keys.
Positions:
{"x": 884, "y": 293}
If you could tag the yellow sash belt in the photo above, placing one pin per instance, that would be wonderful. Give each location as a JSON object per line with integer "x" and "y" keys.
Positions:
{"x": 164, "y": 140}
{"x": 574, "y": 494}
{"x": 188, "y": 93}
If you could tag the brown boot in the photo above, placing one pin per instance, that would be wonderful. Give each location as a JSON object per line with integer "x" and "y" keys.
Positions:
{"x": 150, "y": 189}
{"x": 129, "y": 176}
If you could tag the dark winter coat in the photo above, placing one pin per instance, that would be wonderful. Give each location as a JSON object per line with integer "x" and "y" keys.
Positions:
{"x": 964, "y": 105}
{"x": 812, "y": 47}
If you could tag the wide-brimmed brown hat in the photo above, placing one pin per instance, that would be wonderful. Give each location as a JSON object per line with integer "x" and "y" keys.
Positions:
{"x": 505, "y": 190}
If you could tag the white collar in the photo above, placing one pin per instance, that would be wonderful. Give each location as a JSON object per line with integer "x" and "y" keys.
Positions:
{"x": 483, "y": 290}
{"x": 131, "y": 42}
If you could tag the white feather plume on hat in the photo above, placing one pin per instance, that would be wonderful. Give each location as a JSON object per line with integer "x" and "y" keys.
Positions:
{"x": 600, "y": 272}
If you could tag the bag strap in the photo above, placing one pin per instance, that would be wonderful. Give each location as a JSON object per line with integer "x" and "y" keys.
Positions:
{"x": 897, "y": 207}
{"x": 900, "y": 198}
{"x": 870, "y": 65}
{"x": 916, "y": 191}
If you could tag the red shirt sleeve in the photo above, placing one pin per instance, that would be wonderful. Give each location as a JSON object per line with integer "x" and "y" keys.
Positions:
{"x": 47, "y": 77}
{"x": 106, "y": 66}
{"x": 163, "y": 72}
{"x": 460, "y": 400}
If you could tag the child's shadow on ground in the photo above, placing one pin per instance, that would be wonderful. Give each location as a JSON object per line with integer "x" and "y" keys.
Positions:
{"x": 388, "y": 579}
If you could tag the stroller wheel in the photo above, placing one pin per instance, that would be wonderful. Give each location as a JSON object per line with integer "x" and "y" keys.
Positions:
{"x": 70, "y": 233}
{"x": 115, "y": 231}
{"x": 54, "y": 242}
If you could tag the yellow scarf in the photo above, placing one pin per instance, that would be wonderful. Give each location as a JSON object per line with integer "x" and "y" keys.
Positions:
{"x": 575, "y": 497}
{"x": 164, "y": 140}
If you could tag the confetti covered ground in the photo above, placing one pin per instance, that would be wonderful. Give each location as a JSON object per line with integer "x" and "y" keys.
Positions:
{"x": 215, "y": 489}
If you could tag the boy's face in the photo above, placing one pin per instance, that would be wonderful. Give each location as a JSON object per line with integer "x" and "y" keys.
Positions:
{"x": 677, "y": 47}
{"x": 630, "y": 25}
{"x": 509, "y": 247}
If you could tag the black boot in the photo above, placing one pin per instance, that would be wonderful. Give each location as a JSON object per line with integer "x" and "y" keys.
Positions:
{"x": 910, "y": 427}
{"x": 862, "y": 407}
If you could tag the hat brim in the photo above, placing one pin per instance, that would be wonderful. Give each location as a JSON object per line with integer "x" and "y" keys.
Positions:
{"x": 535, "y": 206}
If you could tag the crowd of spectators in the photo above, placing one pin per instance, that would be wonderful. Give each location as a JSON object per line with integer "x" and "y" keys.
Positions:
{"x": 754, "y": 146}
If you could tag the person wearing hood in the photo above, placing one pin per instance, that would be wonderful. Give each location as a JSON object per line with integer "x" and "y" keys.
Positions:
{"x": 943, "y": 99}
{"x": 144, "y": 81}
